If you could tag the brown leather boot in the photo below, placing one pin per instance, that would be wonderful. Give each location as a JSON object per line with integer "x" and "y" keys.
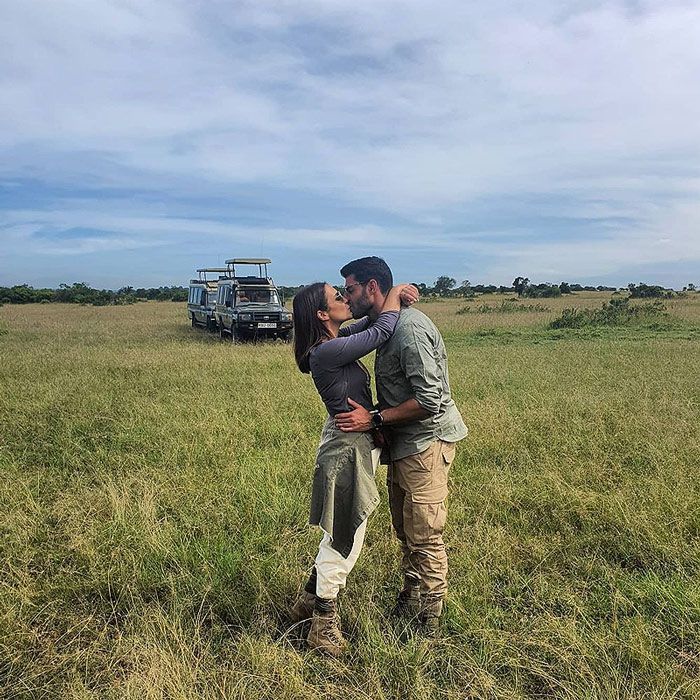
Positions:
{"x": 303, "y": 608}
{"x": 429, "y": 616}
{"x": 325, "y": 635}
{"x": 408, "y": 601}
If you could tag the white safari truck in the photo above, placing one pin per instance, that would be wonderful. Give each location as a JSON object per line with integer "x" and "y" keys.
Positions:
{"x": 250, "y": 306}
{"x": 201, "y": 302}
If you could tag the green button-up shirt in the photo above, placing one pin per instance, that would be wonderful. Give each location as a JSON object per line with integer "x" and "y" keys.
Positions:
{"x": 412, "y": 364}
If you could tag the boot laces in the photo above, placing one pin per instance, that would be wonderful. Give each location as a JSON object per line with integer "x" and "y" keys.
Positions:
{"x": 332, "y": 633}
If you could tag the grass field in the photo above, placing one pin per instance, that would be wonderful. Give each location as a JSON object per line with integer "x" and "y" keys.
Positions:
{"x": 156, "y": 487}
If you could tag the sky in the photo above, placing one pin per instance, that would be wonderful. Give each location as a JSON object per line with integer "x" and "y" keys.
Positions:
{"x": 141, "y": 139}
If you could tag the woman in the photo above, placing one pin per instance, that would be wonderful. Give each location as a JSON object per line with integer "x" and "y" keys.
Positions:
{"x": 344, "y": 491}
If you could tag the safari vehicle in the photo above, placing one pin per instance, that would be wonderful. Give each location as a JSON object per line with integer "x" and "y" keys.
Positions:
{"x": 201, "y": 303}
{"x": 249, "y": 306}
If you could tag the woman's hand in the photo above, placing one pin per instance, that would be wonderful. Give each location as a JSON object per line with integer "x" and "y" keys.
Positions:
{"x": 409, "y": 294}
{"x": 400, "y": 295}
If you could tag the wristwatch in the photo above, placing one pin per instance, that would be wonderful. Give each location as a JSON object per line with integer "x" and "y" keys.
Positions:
{"x": 377, "y": 419}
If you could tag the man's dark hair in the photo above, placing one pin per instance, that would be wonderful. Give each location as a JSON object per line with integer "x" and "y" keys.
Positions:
{"x": 371, "y": 268}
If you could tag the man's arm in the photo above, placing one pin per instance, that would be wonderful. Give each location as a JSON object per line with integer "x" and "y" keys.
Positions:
{"x": 406, "y": 412}
{"x": 359, "y": 419}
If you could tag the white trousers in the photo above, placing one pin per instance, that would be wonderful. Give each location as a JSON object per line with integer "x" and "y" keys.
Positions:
{"x": 332, "y": 568}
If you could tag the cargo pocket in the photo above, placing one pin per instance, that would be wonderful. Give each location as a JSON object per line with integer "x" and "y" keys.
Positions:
{"x": 428, "y": 476}
{"x": 427, "y": 523}
{"x": 415, "y": 473}
{"x": 441, "y": 470}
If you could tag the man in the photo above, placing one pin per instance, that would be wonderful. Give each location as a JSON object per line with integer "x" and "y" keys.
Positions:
{"x": 422, "y": 424}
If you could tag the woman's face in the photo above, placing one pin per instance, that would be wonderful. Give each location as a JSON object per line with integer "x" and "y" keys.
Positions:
{"x": 338, "y": 309}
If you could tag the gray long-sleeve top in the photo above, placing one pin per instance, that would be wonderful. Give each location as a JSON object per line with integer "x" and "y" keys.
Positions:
{"x": 335, "y": 366}
{"x": 344, "y": 490}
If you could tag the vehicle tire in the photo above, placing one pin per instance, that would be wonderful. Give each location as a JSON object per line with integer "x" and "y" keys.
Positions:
{"x": 285, "y": 337}
{"x": 221, "y": 331}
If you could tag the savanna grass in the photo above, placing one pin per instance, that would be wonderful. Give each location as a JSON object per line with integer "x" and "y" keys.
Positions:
{"x": 156, "y": 490}
{"x": 509, "y": 306}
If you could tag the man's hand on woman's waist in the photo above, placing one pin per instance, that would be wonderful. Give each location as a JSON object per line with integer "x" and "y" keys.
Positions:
{"x": 359, "y": 420}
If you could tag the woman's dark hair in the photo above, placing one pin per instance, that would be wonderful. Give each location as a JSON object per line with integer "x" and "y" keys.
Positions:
{"x": 309, "y": 331}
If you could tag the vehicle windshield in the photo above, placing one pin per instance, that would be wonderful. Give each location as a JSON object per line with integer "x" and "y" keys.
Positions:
{"x": 256, "y": 296}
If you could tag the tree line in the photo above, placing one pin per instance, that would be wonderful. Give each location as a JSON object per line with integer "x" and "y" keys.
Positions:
{"x": 447, "y": 287}
{"x": 81, "y": 293}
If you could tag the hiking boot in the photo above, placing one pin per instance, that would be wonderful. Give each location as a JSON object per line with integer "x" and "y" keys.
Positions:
{"x": 408, "y": 601}
{"x": 303, "y": 608}
{"x": 429, "y": 616}
{"x": 325, "y": 635}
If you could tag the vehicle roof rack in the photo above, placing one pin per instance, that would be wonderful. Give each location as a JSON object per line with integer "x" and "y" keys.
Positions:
{"x": 202, "y": 272}
{"x": 248, "y": 261}
{"x": 260, "y": 262}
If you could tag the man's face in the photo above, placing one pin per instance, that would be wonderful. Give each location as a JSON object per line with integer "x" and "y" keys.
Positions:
{"x": 357, "y": 297}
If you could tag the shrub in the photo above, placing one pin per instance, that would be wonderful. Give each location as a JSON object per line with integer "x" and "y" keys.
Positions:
{"x": 536, "y": 291}
{"x": 616, "y": 312}
{"x": 648, "y": 291}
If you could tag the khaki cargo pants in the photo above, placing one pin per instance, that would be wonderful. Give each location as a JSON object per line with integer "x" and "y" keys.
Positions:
{"x": 417, "y": 499}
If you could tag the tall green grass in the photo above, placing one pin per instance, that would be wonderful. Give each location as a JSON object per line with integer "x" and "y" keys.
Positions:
{"x": 154, "y": 505}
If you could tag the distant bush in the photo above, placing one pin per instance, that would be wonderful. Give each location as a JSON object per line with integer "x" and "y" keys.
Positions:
{"x": 290, "y": 292}
{"x": 649, "y": 291}
{"x": 488, "y": 289}
{"x": 616, "y": 312}
{"x": 509, "y": 306}
{"x": 541, "y": 291}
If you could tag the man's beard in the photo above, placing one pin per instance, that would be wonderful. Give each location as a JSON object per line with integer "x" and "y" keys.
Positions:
{"x": 360, "y": 308}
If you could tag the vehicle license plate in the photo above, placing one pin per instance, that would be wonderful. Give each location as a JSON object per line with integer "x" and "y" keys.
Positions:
{"x": 267, "y": 325}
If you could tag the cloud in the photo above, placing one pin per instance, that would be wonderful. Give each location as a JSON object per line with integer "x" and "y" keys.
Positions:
{"x": 409, "y": 120}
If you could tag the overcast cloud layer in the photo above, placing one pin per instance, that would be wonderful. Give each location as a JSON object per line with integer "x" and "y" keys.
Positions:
{"x": 139, "y": 140}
